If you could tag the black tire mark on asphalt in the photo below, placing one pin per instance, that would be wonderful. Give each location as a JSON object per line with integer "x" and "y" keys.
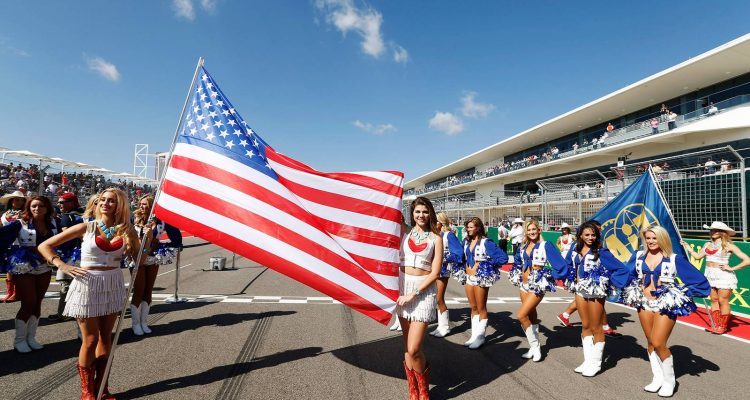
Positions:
{"x": 354, "y": 387}
{"x": 232, "y": 386}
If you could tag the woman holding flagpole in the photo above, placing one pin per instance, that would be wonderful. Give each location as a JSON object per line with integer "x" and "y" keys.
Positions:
{"x": 97, "y": 293}
{"x": 452, "y": 260}
{"x": 593, "y": 274}
{"x": 416, "y": 304}
{"x": 482, "y": 260}
{"x": 533, "y": 278}
{"x": 720, "y": 275}
{"x": 660, "y": 298}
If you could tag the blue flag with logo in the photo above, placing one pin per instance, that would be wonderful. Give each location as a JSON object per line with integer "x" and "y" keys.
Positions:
{"x": 639, "y": 206}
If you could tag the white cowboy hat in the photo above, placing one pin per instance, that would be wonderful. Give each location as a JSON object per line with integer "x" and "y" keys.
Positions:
{"x": 718, "y": 225}
{"x": 6, "y": 198}
{"x": 518, "y": 221}
{"x": 564, "y": 225}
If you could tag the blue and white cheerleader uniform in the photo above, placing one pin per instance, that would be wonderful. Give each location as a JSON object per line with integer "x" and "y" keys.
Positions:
{"x": 490, "y": 259}
{"x": 453, "y": 255}
{"x": 595, "y": 277}
{"x": 20, "y": 240}
{"x": 164, "y": 253}
{"x": 671, "y": 298}
{"x": 540, "y": 280}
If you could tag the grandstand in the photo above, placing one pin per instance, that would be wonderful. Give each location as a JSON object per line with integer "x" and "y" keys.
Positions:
{"x": 34, "y": 173}
{"x": 690, "y": 121}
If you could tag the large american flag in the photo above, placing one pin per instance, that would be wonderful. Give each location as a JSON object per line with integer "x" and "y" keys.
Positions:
{"x": 335, "y": 232}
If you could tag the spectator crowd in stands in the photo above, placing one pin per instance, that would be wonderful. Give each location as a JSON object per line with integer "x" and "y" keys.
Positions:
{"x": 26, "y": 179}
{"x": 650, "y": 124}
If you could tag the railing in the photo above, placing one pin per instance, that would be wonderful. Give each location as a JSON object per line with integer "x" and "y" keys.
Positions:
{"x": 621, "y": 135}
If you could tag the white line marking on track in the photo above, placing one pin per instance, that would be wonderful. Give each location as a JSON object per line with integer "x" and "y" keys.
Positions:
{"x": 172, "y": 270}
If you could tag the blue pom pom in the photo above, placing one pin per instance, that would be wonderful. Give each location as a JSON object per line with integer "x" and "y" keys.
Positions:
{"x": 515, "y": 276}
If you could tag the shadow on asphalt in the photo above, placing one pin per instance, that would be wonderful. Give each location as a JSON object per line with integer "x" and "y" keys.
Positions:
{"x": 183, "y": 325}
{"x": 15, "y": 363}
{"x": 469, "y": 369}
{"x": 687, "y": 363}
{"x": 220, "y": 373}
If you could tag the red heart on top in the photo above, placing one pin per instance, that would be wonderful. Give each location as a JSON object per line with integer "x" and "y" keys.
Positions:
{"x": 417, "y": 247}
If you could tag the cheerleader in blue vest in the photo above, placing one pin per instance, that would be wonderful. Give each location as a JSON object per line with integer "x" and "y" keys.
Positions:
{"x": 593, "y": 275}
{"x": 452, "y": 261}
{"x": 660, "y": 299}
{"x": 31, "y": 273}
{"x": 534, "y": 278}
{"x": 483, "y": 261}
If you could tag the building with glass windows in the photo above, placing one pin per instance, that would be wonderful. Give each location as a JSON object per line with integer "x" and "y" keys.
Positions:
{"x": 690, "y": 121}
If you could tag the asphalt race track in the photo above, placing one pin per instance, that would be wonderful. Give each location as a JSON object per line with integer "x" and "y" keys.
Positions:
{"x": 251, "y": 333}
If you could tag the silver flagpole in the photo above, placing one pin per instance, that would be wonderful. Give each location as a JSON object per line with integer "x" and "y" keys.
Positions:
{"x": 176, "y": 298}
{"x": 118, "y": 327}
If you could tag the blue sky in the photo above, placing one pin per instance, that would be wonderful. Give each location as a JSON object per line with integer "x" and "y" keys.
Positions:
{"x": 337, "y": 84}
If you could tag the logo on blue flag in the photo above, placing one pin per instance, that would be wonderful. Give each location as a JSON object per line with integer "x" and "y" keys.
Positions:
{"x": 637, "y": 207}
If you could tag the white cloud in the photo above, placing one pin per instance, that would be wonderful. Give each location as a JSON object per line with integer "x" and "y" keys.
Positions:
{"x": 209, "y": 5}
{"x": 381, "y": 129}
{"x": 103, "y": 67}
{"x": 446, "y": 122}
{"x": 365, "y": 22}
{"x": 184, "y": 9}
{"x": 400, "y": 55}
{"x": 7, "y": 48}
{"x": 474, "y": 109}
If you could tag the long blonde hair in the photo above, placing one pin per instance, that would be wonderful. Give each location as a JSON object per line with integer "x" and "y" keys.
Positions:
{"x": 444, "y": 221}
{"x": 725, "y": 240}
{"x": 662, "y": 239}
{"x": 90, "y": 206}
{"x": 139, "y": 216}
{"x": 122, "y": 214}
{"x": 526, "y": 228}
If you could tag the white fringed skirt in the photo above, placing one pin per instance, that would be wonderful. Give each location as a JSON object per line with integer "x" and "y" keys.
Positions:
{"x": 720, "y": 279}
{"x": 96, "y": 294}
{"x": 424, "y": 307}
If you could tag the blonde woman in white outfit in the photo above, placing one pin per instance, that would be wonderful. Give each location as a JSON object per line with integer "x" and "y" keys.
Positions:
{"x": 97, "y": 293}
{"x": 720, "y": 275}
{"x": 416, "y": 305}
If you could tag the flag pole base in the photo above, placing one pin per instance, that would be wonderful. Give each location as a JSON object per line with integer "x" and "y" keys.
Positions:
{"x": 175, "y": 299}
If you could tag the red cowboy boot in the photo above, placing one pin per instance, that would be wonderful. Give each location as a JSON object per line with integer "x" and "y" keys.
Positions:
{"x": 87, "y": 382}
{"x": 423, "y": 382}
{"x": 721, "y": 327}
{"x": 716, "y": 320}
{"x": 101, "y": 365}
{"x": 412, "y": 379}
{"x": 11, "y": 286}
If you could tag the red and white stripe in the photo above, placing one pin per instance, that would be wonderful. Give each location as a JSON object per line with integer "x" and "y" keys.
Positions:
{"x": 337, "y": 233}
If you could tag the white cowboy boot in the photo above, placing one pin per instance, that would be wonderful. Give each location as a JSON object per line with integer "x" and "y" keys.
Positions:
{"x": 474, "y": 331}
{"x": 20, "y": 343}
{"x": 588, "y": 344}
{"x": 396, "y": 325}
{"x": 32, "y": 324}
{"x": 145, "y": 308}
{"x": 443, "y": 327}
{"x": 479, "y": 341}
{"x": 532, "y": 335}
{"x": 658, "y": 379}
{"x": 667, "y": 369}
{"x": 595, "y": 365}
{"x": 135, "y": 320}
